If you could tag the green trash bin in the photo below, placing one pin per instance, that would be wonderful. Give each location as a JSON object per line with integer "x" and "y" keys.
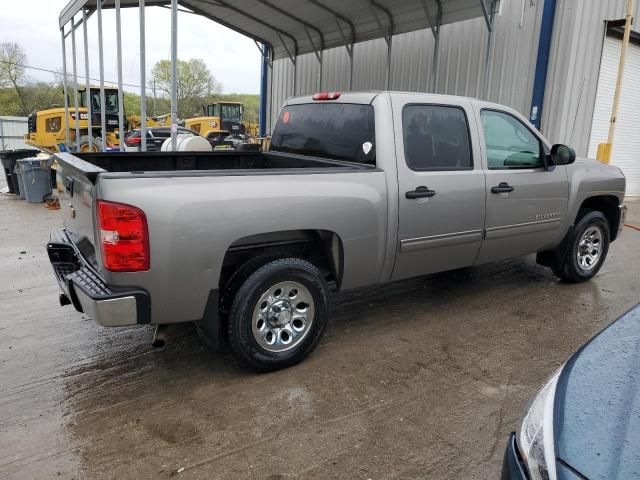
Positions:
{"x": 36, "y": 179}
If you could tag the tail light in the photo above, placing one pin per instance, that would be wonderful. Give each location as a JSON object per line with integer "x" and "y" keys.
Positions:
{"x": 326, "y": 96}
{"x": 133, "y": 140}
{"x": 124, "y": 237}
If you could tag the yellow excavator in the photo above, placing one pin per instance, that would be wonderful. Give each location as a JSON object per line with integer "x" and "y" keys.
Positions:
{"x": 47, "y": 128}
{"x": 220, "y": 120}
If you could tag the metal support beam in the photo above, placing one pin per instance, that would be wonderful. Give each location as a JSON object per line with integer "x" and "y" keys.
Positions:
{"x": 174, "y": 75}
{"x": 436, "y": 50}
{"x": 263, "y": 90}
{"x": 74, "y": 64}
{"x": 121, "y": 131}
{"x": 489, "y": 17}
{"x": 103, "y": 117}
{"x": 64, "y": 87}
{"x": 348, "y": 43}
{"x": 143, "y": 80}
{"x": 435, "y": 30}
{"x": 389, "y": 38}
{"x": 87, "y": 79}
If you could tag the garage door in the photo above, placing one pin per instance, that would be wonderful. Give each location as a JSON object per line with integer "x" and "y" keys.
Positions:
{"x": 626, "y": 145}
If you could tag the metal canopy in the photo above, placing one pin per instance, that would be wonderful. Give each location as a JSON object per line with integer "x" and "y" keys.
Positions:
{"x": 294, "y": 27}
{"x": 285, "y": 28}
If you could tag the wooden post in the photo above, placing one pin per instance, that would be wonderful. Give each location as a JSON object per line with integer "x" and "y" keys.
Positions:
{"x": 604, "y": 149}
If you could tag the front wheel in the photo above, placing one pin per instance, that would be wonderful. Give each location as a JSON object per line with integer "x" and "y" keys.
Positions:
{"x": 278, "y": 315}
{"x": 587, "y": 248}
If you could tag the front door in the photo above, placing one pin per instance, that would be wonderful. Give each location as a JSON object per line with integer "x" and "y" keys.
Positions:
{"x": 526, "y": 204}
{"x": 441, "y": 186}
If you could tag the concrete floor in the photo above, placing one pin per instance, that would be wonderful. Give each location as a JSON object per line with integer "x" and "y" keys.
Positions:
{"x": 421, "y": 379}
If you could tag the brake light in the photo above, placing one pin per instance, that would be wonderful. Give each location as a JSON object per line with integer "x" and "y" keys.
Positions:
{"x": 133, "y": 140}
{"x": 326, "y": 95}
{"x": 124, "y": 237}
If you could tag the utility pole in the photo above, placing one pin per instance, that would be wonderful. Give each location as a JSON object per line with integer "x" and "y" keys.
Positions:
{"x": 604, "y": 149}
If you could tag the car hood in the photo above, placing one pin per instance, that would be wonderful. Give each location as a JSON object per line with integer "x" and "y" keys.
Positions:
{"x": 597, "y": 404}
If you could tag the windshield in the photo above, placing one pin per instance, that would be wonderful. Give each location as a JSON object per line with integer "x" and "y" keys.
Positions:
{"x": 230, "y": 113}
{"x": 340, "y": 131}
{"x": 110, "y": 97}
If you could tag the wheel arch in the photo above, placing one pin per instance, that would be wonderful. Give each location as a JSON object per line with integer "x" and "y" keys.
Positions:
{"x": 608, "y": 205}
{"x": 323, "y": 248}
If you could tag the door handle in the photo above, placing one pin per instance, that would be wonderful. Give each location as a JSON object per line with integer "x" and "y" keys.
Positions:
{"x": 504, "y": 187}
{"x": 420, "y": 192}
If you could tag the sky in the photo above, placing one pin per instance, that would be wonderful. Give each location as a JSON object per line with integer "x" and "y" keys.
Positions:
{"x": 233, "y": 59}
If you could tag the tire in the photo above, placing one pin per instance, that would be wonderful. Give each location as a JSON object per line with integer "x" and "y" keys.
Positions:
{"x": 580, "y": 262}
{"x": 278, "y": 315}
{"x": 96, "y": 144}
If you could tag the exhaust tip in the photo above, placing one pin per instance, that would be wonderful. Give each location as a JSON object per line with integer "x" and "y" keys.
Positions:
{"x": 159, "y": 336}
{"x": 64, "y": 300}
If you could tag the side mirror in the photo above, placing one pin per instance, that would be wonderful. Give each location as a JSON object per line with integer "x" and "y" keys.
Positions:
{"x": 562, "y": 155}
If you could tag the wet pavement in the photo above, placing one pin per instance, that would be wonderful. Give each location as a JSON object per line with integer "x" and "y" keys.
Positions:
{"x": 420, "y": 379}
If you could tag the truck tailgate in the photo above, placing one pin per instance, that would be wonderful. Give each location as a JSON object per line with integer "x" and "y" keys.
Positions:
{"x": 78, "y": 179}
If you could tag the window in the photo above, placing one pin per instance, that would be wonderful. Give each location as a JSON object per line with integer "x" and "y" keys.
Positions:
{"x": 510, "y": 144}
{"x": 436, "y": 137}
{"x": 341, "y": 131}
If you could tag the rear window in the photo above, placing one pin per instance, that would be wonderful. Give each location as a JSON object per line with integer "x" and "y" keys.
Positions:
{"x": 340, "y": 131}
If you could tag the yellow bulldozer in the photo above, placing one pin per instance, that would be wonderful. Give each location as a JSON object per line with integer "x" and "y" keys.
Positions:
{"x": 47, "y": 128}
{"x": 220, "y": 120}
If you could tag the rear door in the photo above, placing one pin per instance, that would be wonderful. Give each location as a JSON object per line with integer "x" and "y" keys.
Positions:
{"x": 441, "y": 186}
{"x": 526, "y": 204}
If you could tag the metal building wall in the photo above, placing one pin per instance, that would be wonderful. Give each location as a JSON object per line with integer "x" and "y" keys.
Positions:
{"x": 572, "y": 81}
{"x": 12, "y": 130}
{"x": 461, "y": 70}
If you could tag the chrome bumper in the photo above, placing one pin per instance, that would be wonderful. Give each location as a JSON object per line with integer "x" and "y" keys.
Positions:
{"x": 83, "y": 286}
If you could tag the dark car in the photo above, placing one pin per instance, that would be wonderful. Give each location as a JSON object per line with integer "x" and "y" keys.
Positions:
{"x": 155, "y": 138}
{"x": 585, "y": 422}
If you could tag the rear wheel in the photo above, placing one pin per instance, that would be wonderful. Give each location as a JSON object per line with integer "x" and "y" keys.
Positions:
{"x": 96, "y": 144}
{"x": 278, "y": 315}
{"x": 588, "y": 245}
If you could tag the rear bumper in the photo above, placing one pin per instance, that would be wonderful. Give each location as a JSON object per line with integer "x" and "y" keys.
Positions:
{"x": 89, "y": 293}
{"x": 512, "y": 466}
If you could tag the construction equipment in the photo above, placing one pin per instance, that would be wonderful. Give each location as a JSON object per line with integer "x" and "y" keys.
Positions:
{"x": 220, "y": 120}
{"x": 47, "y": 128}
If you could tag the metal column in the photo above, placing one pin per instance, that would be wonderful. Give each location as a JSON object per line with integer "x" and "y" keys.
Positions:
{"x": 75, "y": 83}
{"x": 263, "y": 90}
{"x": 143, "y": 87}
{"x": 488, "y": 17}
{"x": 119, "y": 63}
{"x": 174, "y": 74}
{"x": 103, "y": 117}
{"x": 87, "y": 81}
{"x": 435, "y": 30}
{"x": 64, "y": 88}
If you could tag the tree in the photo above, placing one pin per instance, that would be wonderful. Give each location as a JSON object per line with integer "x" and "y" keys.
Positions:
{"x": 12, "y": 60}
{"x": 194, "y": 81}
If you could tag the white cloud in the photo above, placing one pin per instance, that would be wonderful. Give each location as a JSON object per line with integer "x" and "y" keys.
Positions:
{"x": 232, "y": 58}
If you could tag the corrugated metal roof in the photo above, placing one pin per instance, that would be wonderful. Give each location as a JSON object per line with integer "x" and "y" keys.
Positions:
{"x": 295, "y": 27}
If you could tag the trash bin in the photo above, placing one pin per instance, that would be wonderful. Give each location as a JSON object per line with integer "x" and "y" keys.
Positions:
{"x": 8, "y": 159}
{"x": 17, "y": 181}
{"x": 36, "y": 177}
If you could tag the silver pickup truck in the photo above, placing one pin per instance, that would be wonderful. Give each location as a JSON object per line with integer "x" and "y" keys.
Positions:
{"x": 356, "y": 189}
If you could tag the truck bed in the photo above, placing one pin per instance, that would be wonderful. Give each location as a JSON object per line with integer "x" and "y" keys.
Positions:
{"x": 139, "y": 162}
